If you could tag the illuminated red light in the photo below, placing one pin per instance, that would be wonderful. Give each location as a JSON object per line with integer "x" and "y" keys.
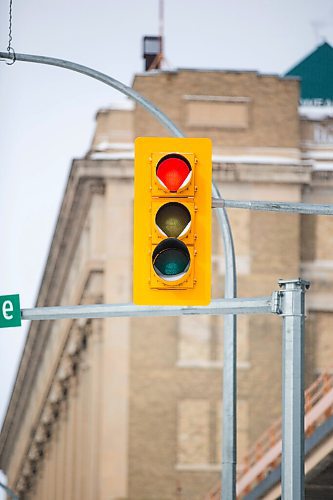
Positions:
{"x": 174, "y": 172}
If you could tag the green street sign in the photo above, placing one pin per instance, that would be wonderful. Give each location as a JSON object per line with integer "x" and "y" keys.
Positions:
{"x": 10, "y": 311}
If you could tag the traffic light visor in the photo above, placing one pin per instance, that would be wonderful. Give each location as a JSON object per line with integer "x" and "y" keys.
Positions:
{"x": 173, "y": 220}
{"x": 173, "y": 172}
{"x": 171, "y": 259}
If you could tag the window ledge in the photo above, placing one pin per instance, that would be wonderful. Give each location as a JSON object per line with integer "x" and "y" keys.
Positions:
{"x": 199, "y": 467}
{"x": 210, "y": 364}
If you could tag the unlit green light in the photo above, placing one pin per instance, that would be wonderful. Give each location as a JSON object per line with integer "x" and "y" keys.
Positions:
{"x": 171, "y": 258}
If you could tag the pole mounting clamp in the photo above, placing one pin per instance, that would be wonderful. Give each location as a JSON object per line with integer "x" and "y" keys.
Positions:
{"x": 277, "y": 302}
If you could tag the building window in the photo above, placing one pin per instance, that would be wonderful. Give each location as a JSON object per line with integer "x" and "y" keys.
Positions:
{"x": 323, "y": 134}
{"x": 200, "y": 433}
{"x": 217, "y": 112}
{"x": 193, "y": 432}
{"x": 200, "y": 342}
{"x": 194, "y": 339}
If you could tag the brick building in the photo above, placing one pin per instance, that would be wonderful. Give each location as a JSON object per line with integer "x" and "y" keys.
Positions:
{"x": 130, "y": 408}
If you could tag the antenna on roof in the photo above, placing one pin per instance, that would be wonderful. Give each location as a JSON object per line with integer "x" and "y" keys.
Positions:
{"x": 161, "y": 19}
{"x": 317, "y": 27}
{"x": 153, "y": 45}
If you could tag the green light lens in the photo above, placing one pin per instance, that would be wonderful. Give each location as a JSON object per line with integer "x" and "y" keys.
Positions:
{"x": 173, "y": 219}
{"x": 171, "y": 259}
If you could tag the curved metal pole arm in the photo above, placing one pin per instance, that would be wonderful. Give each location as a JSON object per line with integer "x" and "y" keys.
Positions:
{"x": 229, "y": 378}
{"x": 230, "y": 275}
{"x": 102, "y": 77}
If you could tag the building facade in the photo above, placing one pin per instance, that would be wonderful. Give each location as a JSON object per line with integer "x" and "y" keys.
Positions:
{"x": 130, "y": 408}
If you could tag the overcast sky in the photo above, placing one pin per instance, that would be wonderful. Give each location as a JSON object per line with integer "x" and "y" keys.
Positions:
{"x": 47, "y": 114}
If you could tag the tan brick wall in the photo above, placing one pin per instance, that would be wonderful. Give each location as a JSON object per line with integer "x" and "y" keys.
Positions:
{"x": 273, "y": 114}
{"x": 274, "y": 244}
{"x": 263, "y": 385}
{"x": 324, "y": 238}
{"x": 324, "y": 344}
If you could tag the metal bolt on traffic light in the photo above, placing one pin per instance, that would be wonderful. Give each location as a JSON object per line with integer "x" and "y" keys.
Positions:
{"x": 172, "y": 221}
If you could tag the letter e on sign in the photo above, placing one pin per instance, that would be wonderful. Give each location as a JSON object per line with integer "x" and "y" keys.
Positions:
{"x": 7, "y": 308}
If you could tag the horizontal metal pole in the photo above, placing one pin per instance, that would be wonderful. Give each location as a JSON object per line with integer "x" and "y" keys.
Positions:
{"x": 275, "y": 206}
{"x": 259, "y": 305}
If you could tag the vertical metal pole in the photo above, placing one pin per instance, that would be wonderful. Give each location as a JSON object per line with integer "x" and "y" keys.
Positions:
{"x": 229, "y": 436}
{"x": 229, "y": 395}
{"x": 292, "y": 305}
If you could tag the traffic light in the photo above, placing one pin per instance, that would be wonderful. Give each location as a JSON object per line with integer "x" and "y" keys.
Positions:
{"x": 172, "y": 221}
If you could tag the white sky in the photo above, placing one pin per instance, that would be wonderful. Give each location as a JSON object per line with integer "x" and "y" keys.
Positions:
{"x": 47, "y": 114}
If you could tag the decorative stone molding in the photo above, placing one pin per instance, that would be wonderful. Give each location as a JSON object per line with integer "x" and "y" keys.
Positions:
{"x": 72, "y": 356}
{"x": 65, "y": 371}
{"x": 55, "y": 394}
{"x": 34, "y": 453}
{"x": 21, "y": 485}
{"x": 40, "y": 436}
{"x": 47, "y": 416}
{"x": 26, "y": 471}
{"x": 74, "y": 344}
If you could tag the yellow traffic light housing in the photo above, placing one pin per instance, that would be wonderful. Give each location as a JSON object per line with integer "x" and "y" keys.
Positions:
{"x": 172, "y": 221}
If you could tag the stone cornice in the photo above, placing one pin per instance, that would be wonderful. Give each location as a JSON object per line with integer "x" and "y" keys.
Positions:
{"x": 322, "y": 178}
{"x": 294, "y": 173}
{"x": 262, "y": 173}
